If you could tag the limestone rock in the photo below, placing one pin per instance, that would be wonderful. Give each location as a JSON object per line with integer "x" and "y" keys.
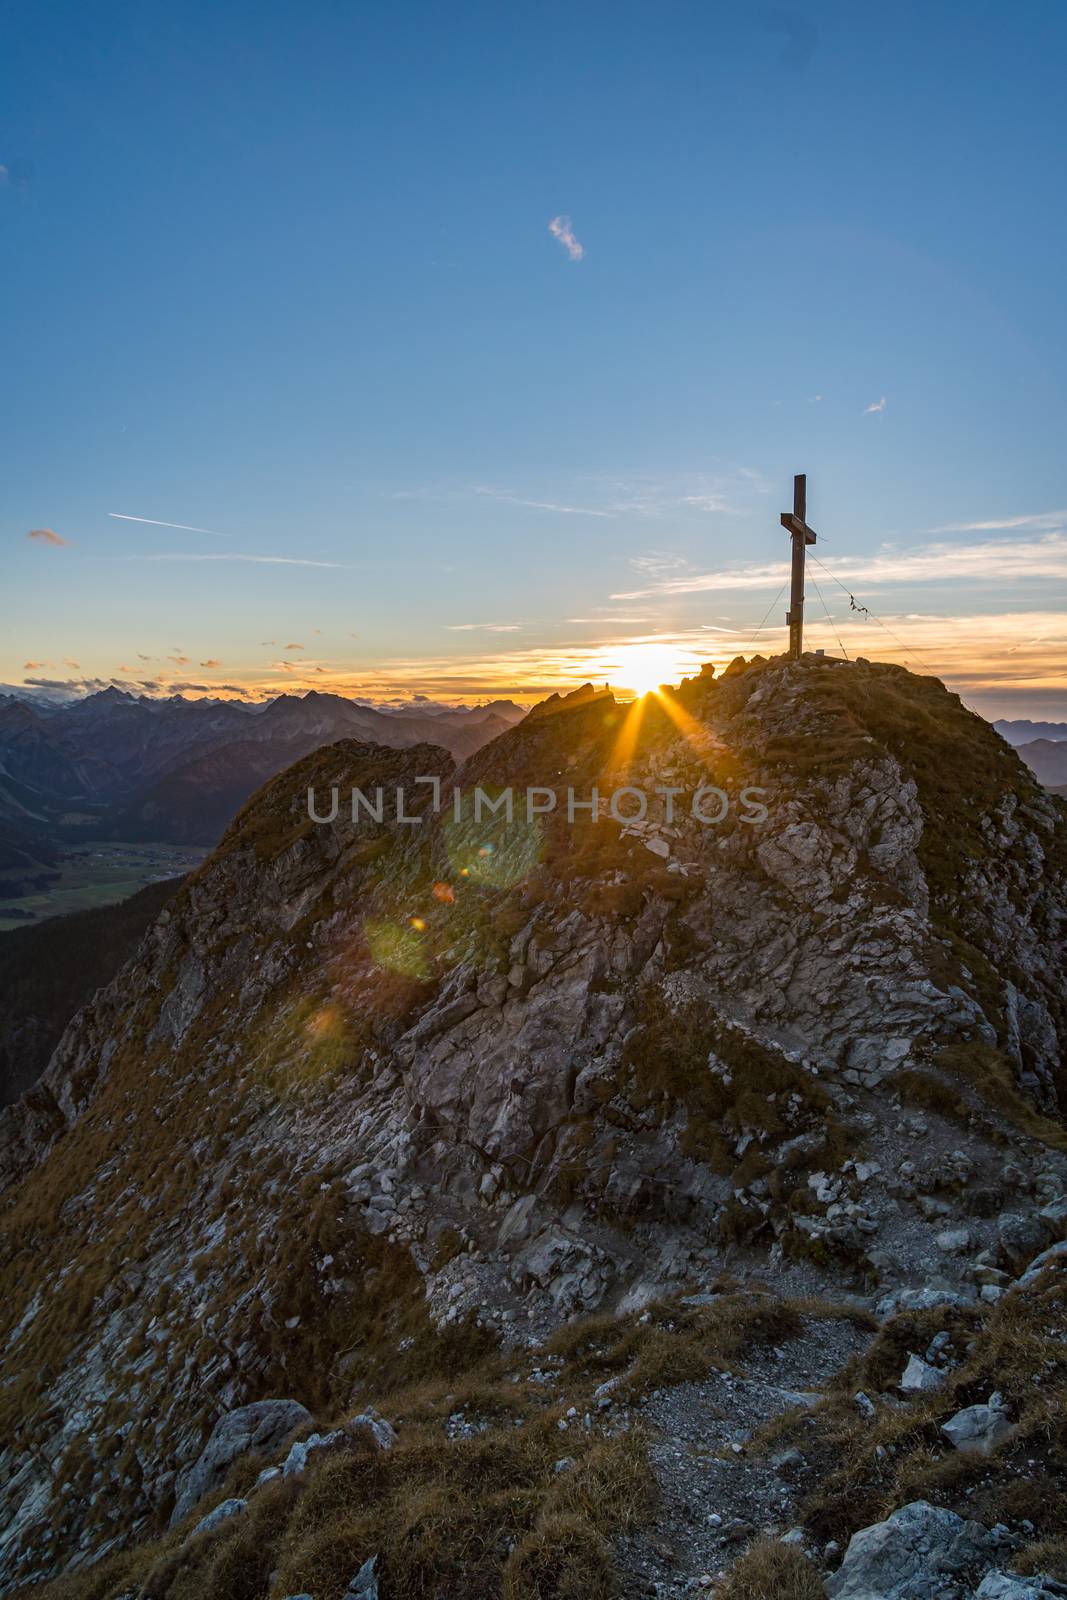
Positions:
{"x": 254, "y": 1429}
{"x": 295, "y": 1463}
{"x": 222, "y": 1513}
{"x": 979, "y": 1429}
{"x": 382, "y": 1432}
{"x": 919, "y": 1378}
{"x": 910, "y": 1555}
{"x": 924, "y": 1299}
{"x": 1055, "y": 1255}
{"x": 1010, "y": 1586}
{"x": 364, "y": 1585}
{"x": 1020, "y": 1237}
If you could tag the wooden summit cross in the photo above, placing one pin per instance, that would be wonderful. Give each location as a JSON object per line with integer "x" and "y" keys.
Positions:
{"x": 794, "y": 522}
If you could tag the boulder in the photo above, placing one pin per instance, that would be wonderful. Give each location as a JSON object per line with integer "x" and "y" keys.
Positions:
{"x": 1020, "y": 1237}
{"x": 979, "y": 1429}
{"x": 364, "y": 1585}
{"x": 954, "y": 1241}
{"x": 222, "y": 1513}
{"x": 1010, "y": 1586}
{"x": 919, "y": 1378}
{"x": 382, "y": 1432}
{"x": 256, "y": 1429}
{"x": 300, "y": 1453}
{"x": 1055, "y": 1255}
{"x": 910, "y": 1555}
{"x": 924, "y": 1299}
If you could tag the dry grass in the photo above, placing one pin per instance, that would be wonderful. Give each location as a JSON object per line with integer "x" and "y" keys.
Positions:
{"x": 769, "y": 1570}
{"x": 1046, "y": 1555}
{"x": 480, "y": 1516}
{"x": 673, "y": 1343}
{"x": 563, "y": 1558}
{"x": 858, "y": 1472}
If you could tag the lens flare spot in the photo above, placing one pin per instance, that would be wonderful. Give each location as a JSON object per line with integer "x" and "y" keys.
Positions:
{"x": 397, "y": 948}
{"x": 445, "y": 893}
{"x": 325, "y": 1024}
{"x": 418, "y": 924}
{"x": 497, "y": 851}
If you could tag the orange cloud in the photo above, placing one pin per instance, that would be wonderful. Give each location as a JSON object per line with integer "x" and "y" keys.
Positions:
{"x": 45, "y": 536}
{"x": 211, "y": 662}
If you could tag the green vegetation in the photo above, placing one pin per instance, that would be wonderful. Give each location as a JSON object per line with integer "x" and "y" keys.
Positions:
{"x": 95, "y": 875}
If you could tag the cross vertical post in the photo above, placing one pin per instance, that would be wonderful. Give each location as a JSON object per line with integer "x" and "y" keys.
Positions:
{"x": 795, "y": 523}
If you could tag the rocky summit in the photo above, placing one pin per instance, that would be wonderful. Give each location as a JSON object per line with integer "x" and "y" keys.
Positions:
{"x": 445, "y": 1201}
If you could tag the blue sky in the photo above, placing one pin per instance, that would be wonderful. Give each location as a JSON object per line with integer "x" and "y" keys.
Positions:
{"x": 286, "y": 273}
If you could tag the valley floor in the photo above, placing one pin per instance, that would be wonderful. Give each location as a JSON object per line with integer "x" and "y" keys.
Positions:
{"x": 97, "y": 873}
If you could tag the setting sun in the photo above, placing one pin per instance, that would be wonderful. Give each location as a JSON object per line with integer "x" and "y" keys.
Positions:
{"x": 643, "y": 667}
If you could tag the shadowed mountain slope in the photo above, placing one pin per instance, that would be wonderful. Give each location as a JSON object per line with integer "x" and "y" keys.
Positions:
{"x": 49, "y": 971}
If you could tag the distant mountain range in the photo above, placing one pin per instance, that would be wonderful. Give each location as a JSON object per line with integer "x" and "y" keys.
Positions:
{"x": 122, "y": 766}
{"x": 1020, "y": 733}
{"x": 1047, "y": 759}
{"x": 1043, "y": 746}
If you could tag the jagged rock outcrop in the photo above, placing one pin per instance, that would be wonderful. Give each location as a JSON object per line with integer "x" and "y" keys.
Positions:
{"x": 921, "y": 1552}
{"x": 250, "y": 1430}
{"x": 492, "y": 1070}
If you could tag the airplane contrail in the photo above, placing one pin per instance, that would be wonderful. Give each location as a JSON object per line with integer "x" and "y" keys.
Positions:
{"x": 185, "y": 526}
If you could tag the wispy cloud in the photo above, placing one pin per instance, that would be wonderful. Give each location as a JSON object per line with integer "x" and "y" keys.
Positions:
{"x": 875, "y": 408}
{"x": 985, "y": 560}
{"x": 658, "y": 563}
{"x": 34, "y": 666}
{"x": 186, "y": 527}
{"x": 539, "y": 505}
{"x": 705, "y": 502}
{"x": 560, "y": 228}
{"x": 294, "y": 647}
{"x": 267, "y": 561}
{"x": 1051, "y": 520}
{"x": 592, "y": 495}
{"x": 206, "y": 688}
{"x": 211, "y": 662}
{"x": 45, "y": 536}
{"x": 483, "y": 627}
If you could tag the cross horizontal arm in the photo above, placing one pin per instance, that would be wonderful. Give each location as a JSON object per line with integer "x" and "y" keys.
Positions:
{"x": 794, "y": 524}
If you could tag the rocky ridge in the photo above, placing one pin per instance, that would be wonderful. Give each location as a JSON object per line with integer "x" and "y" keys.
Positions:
{"x": 371, "y": 1091}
